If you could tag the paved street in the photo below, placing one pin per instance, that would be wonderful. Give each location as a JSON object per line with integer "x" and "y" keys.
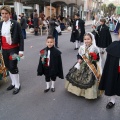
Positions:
{"x": 33, "y": 104}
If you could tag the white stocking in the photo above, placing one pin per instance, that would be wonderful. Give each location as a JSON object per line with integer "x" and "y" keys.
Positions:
{"x": 17, "y": 80}
{"x": 76, "y": 44}
{"x": 12, "y": 78}
{"x": 48, "y": 85}
{"x": 53, "y": 84}
{"x": 112, "y": 99}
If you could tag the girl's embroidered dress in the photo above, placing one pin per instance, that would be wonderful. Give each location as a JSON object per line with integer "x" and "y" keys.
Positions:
{"x": 82, "y": 79}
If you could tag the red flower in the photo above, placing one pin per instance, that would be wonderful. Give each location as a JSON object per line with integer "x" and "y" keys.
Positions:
{"x": 94, "y": 56}
{"x": 10, "y": 57}
{"x": 42, "y": 52}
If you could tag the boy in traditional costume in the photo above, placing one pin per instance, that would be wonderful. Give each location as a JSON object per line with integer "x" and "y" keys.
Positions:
{"x": 12, "y": 43}
{"x": 110, "y": 80}
{"x": 50, "y": 64}
{"x": 103, "y": 36}
{"x": 78, "y": 31}
{"x": 82, "y": 79}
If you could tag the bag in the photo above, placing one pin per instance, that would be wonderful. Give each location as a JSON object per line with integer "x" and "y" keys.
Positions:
{"x": 58, "y": 29}
{"x": 31, "y": 30}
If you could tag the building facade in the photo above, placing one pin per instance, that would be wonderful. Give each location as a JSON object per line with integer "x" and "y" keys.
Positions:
{"x": 57, "y": 7}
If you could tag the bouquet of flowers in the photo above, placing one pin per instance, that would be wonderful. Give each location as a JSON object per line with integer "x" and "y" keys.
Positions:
{"x": 44, "y": 57}
{"x": 93, "y": 56}
{"x": 14, "y": 57}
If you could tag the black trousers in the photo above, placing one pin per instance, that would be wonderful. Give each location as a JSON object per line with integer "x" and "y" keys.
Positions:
{"x": 11, "y": 65}
{"x": 48, "y": 78}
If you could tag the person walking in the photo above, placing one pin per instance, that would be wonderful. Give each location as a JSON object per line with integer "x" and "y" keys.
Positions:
{"x": 78, "y": 31}
{"x": 110, "y": 80}
{"x": 23, "y": 23}
{"x": 103, "y": 36}
{"x": 36, "y": 24}
{"x": 52, "y": 31}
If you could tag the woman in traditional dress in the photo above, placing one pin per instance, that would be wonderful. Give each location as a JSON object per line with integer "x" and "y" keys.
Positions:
{"x": 83, "y": 77}
{"x": 110, "y": 80}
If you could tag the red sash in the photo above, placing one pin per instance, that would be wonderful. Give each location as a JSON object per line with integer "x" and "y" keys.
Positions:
{"x": 5, "y": 45}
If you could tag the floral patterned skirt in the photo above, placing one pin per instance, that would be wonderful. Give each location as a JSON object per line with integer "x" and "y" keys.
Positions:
{"x": 82, "y": 82}
{"x": 89, "y": 93}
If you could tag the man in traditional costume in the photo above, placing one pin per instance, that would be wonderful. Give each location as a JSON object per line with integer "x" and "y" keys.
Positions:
{"x": 78, "y": 31}
{"x": 11, "y": 43}
{"x": 110, "y": 80}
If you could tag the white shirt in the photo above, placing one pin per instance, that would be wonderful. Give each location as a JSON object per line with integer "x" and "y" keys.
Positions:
{"x": 77, "y": 24}
{"x": 6, "y": 31}
{"x": 48, "y": 56}
{"x": 6, "y": 26}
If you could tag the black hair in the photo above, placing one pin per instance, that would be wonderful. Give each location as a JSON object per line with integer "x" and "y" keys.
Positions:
{"x": 50, "y": 37}
{"x": 77, "y": 14}
{"x": 103, "y": 20}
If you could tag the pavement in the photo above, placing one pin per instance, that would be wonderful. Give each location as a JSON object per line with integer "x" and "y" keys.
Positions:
{"x": 33, "y": 104}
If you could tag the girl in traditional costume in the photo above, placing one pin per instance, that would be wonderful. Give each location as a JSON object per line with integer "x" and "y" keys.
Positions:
{"x": 110, "y": 80}
{"x": 83, "y": 77}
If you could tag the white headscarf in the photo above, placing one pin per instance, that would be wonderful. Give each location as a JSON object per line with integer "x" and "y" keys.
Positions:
{"x": 94, "y": 44}
{"x": 93, "y": 39}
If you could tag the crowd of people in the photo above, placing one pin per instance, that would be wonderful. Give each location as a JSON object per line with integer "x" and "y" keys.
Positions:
{"x": 86, "y": 78}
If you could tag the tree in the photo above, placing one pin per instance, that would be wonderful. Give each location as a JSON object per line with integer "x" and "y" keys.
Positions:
{"x": 104, "y": 8}
{"x": 111, "y": 8}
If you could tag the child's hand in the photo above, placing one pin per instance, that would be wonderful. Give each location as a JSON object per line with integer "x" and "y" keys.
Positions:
{"x": 42, "y": 59}
{"x": 79, "y": 61}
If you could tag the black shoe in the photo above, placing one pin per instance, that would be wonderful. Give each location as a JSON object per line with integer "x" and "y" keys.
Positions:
{"x": 76, "y": 49}
{"x": 46, "y": 90}
{"x": 53, "y": 89}
{"x": 10, "y": 87}
{"x": 16, "y": 90}
{"x": 110, "y": 105}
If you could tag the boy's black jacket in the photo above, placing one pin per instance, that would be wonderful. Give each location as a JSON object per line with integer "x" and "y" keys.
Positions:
{"x": 55, "y": 67}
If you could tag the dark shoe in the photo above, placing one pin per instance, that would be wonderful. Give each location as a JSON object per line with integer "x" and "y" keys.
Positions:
{"x": 46, "y": 90}
{"x": 53, "y": 89}
{"x": 16, "y": 90}
{"x": 76, "y": 49}
{"x": 10, "y": 87}
{"x": 110, "y": 105}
